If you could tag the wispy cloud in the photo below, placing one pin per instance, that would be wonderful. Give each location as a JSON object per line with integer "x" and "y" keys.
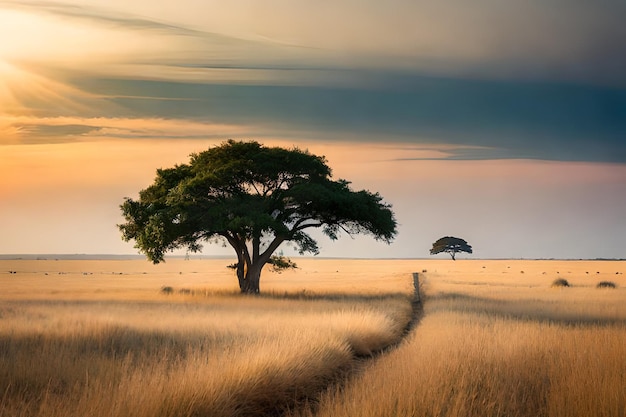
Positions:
{"x": 102, "y": 16}
{"x": 561, "y": 39}
{"x": 176, "y": 68}
{"x": 31, "y": 129}
{"x": 518, "y": 119}
{"x": 154, "y": 41}
{"x": 487, "y": 119}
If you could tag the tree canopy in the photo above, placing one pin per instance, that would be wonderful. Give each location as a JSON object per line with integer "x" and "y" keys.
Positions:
{"x": 451, "y": 245}
{"x": 254, "y": 198}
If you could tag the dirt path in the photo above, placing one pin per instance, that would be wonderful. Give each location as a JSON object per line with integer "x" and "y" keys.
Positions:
{"x": 308, "y": 407}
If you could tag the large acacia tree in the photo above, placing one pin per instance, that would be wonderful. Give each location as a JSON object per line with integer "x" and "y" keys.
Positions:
{"x": 254, "y": 198}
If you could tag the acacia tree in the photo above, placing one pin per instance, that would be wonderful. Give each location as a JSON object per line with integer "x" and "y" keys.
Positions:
{"x": 450, "y": 245}
{"x": 253, "y": 198}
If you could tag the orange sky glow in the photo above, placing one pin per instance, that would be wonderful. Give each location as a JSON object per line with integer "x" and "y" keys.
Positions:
{"x": 77, "y": 187}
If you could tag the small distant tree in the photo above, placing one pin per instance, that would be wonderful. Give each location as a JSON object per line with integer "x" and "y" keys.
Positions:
{"x": 451, "y": 245}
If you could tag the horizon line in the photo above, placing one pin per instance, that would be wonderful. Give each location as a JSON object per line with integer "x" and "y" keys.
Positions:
{"x": 110, "y": 256}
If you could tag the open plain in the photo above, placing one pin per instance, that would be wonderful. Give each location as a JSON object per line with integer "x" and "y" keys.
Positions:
{"x": 494, "y": 338}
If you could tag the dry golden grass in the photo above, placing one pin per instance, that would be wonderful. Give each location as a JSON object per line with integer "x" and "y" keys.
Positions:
{"x": 100, "y": 338}
{"x": 494, "y": 341}
{"x": 139, "y": 279}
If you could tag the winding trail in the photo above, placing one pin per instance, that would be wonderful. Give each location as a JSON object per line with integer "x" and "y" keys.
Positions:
{"x": 416, "y": 305}
{"x": 360, "y": 362}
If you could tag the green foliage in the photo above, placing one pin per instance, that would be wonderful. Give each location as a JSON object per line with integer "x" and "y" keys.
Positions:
{"x": 254, "y": 198}
{"x": 280, "y": 263}
{"x": 606, "y": 284}
{"x": 451, "y": 245}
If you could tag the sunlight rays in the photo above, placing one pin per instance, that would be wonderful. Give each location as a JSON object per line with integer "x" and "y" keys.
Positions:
{"x": 9, "y": 77}
{"x": 25, "y": 92}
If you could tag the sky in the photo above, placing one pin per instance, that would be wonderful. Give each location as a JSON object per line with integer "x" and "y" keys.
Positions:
{"x": 502, "y": 122}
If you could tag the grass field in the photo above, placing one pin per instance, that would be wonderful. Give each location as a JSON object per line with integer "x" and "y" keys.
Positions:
{"x": 101, "y": 338}
{"x": 496, "y": 341}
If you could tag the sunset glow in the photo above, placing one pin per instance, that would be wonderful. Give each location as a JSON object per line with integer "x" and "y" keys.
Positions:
{"x": 460, "y": 117}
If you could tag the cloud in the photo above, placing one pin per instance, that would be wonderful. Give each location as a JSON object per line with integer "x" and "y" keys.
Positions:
{"x": 32, "y": 129}
{"x": 199, "y": 77}
{"x": 484, "y": 119}
{"x": 96, "y": 15}
{"x": 556, "y": 40}
{"x": 118, "y": 37}
{"x": 515, "y": 119}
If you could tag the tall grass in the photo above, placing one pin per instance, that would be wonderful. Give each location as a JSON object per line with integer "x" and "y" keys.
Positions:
{"x": 218, "y": 356}
{"x": 460, "y": 365}
{"x": 492, "y": 341}
{"x": 498, "y": 348}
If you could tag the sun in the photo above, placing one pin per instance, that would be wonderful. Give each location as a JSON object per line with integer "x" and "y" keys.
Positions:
{"x": 24, "y": 35}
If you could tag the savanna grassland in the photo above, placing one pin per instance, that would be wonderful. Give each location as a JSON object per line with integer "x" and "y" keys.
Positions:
{"x": 126, "y": 338}
{"x": 102, "y": 338}
{"x": 496, "y": 339}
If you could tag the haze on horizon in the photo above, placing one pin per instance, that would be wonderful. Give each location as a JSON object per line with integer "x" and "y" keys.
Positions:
{"x": 500, "y": 122}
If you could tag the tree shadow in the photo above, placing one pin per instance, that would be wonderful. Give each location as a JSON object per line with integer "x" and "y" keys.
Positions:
{"x": 333, "y": 296}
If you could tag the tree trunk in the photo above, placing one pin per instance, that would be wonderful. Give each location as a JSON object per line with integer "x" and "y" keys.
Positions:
{"x": 251, "y": 282}
{"x": 241, "y": 270}
{"x": 453, "y": 257}
{"x": 249, "y": 267}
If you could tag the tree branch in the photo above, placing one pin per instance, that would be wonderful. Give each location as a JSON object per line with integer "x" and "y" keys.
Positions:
{"x": 265, "y": 256}
{"x": 256, "y": 245}
{"x": 256, "y": 189}
{"x": 306, "y": 226}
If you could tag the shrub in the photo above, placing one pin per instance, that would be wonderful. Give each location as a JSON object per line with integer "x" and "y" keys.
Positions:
{"x": 606, "y": 284}
{"x": 167, "y": 290}
{"x": 280, "y": 263}
{"x": 560, "y": 282}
